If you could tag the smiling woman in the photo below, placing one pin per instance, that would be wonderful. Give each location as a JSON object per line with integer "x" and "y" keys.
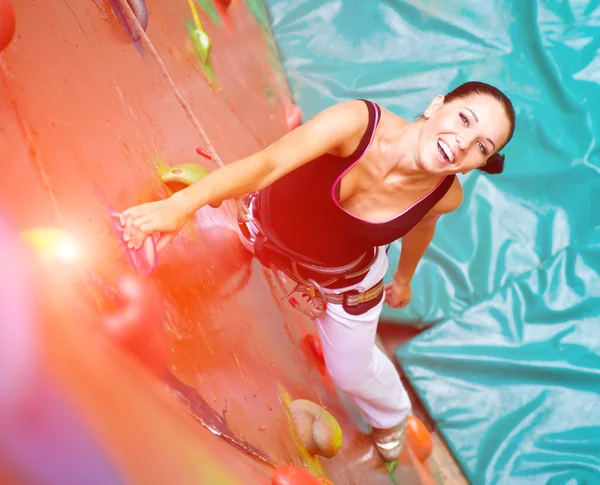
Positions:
{"x": 473, "y": 96}
{"x": 324, "y": 202}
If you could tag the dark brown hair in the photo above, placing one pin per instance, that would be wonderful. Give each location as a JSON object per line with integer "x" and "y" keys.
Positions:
{"x": 495, "y": 163}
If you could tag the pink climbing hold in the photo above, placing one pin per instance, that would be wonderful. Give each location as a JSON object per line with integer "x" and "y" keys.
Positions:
{"x": 7, "y": 23}
{"x": 137, "y": 324}
{"x": 293, "y": 475}
{"x": 144, "y": 259}
{"x": 293, "y": 116}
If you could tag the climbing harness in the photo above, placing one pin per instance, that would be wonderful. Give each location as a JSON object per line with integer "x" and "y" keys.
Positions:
{"x": 317, "y": 288}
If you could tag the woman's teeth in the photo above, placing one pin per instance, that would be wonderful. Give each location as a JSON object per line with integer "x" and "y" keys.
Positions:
{"x": 446, "y": 150}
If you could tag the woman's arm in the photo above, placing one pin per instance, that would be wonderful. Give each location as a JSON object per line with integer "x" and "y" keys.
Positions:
{"x": 414, "y": 244}
{"x": 328, "y": 132}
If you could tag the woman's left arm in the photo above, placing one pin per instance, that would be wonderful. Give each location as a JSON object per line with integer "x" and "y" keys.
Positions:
{"x": 414, "y": 244}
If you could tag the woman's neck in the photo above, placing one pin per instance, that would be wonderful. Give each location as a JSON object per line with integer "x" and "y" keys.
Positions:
{"x": 402, "y": 143}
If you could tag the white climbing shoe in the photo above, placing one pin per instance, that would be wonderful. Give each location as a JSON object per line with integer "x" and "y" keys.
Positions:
{"x": 389, "y": 442}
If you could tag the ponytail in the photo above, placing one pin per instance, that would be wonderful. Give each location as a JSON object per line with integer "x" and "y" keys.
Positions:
{"x": 494, "y": 164}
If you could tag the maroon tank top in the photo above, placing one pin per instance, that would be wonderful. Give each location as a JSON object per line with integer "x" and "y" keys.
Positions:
{"x": 301, "y": 210}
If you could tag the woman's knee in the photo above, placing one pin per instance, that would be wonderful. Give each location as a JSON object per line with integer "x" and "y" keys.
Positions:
{"x": 348, "y": 376}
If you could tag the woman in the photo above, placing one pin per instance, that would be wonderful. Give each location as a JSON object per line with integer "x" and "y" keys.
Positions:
{"x": 325, "y": 201}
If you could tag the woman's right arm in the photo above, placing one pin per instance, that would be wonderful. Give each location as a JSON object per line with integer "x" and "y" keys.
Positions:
{"x": 327, "y": 132}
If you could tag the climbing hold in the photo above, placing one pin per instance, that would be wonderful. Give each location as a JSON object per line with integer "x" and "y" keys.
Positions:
{"x": 202, "y": 45}
{"x": 324, "y": 481}
{"x": 7, "y": 23}
{"x": 318, "y": 430}
{"x": 313, "y": 343}
{"x": 204, "y": 153}
{"x": 139, "y": 10}
{"x": 293, "y": 116}
{"x": 137, "y": 326}
{"x": 418, "y": 438}
{"x": 223, "y": 3}
{"x": 52, "y": 244}
{"x": 181, "y": 175}
{"x": 390, "y": 468}
{"x": 292, "y": 475}
{"x": 143, "y": 259}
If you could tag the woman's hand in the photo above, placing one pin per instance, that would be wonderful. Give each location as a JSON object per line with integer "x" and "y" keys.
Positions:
{"x": 397, "y": 295}
{"x": 161, "y": 220}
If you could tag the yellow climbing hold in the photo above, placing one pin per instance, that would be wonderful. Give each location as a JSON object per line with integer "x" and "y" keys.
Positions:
{"x": 52, "y": 244}
{"x": 184, "y": 174}
{"x": 318, "y": 429}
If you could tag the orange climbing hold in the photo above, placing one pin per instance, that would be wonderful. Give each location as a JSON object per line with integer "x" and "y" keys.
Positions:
{"x": 7, "y": 23}
{"x": 418, "y": 438}
{"x": 293, "y": 475}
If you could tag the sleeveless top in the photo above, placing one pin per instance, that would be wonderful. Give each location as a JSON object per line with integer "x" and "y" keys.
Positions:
{"x": 302, "y": 212}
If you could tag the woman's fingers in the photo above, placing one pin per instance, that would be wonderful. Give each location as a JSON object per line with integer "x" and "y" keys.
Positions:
{"x": 163, "y": 240}
{"x": 146, "y": 220}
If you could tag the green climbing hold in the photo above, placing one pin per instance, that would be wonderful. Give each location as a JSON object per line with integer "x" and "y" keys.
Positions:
{"x": 204, "y": 63}
{"x": 202, "y": 45}
{"x": 390, "y": 467}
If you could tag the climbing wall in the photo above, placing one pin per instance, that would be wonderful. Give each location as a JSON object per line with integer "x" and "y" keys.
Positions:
{"x": 190, "y": 374}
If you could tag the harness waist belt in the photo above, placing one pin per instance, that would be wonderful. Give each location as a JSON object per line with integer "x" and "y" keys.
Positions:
{"x": 355, "y": 297}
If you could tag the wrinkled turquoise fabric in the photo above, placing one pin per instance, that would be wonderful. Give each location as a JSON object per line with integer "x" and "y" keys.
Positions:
{"x": 510, "y": 285}
{"x": 513, "y": 382}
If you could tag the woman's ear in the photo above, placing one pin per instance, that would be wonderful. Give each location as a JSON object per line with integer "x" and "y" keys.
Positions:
{"x": 435, "y": 104}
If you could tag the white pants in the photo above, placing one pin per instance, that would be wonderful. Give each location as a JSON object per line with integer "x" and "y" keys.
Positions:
{"x": 356, "y": 365}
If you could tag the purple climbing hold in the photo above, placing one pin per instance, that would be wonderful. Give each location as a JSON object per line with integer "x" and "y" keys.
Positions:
{"x": 139, "y": 10}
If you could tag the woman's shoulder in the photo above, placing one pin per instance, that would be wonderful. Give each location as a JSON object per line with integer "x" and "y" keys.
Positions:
{"x": 451, "y": 200}
{"x": 348, "y": 121}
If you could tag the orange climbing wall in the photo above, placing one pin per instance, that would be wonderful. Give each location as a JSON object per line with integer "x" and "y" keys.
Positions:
{"x": 85, "y": 116}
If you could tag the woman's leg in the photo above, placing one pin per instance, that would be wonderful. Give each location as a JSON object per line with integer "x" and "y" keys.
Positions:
{"x": 357, "y": 366}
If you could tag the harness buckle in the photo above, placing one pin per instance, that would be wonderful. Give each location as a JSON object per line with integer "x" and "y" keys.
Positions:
{"x": 317, "y": 299}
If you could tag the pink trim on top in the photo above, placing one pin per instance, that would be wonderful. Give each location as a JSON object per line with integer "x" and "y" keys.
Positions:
{"x": 338, "y": 180}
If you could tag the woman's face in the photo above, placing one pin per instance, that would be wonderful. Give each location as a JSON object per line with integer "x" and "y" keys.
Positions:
{"x": 459, "y": 136}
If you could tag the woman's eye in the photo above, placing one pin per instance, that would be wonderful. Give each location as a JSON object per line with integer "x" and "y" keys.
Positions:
{"x": 464, "y": 119}
{"x": 482, "y": 148}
